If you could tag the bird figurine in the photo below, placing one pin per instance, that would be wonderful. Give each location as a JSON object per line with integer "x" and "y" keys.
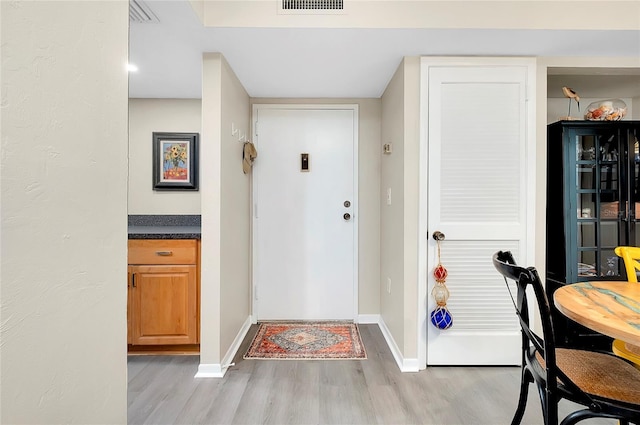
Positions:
{"x": 571, "y": 94}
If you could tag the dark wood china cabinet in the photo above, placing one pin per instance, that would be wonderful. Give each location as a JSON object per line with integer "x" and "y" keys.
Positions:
{"x": 593, "y": 205}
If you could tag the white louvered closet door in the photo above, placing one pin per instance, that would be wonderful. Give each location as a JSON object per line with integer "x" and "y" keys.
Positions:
{"x": 477, "y": 197}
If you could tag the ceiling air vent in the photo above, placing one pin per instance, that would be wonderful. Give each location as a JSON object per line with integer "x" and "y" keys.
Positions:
{"x": 320, "y": 7}
{"x": 140, "y": 12}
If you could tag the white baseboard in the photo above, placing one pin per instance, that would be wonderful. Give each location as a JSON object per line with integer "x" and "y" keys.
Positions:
{"x": 211, "y": 370}
{"x": 410, "y": 365}
{"x": 216, "y": 370}
{"x": 369, "y": 319}
{"x": 227, "y": 360}
{"x": 405, "y": 365}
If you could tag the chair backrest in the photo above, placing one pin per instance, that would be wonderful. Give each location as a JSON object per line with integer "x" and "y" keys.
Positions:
{"x": 528, "y": 277}
{"x": 631, "y": 256}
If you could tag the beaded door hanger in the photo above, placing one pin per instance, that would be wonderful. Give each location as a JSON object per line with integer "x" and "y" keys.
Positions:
{"x": 440, "y": 316}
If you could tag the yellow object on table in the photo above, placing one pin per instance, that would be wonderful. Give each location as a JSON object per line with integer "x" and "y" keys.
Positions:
{"x": 630, "y": 255}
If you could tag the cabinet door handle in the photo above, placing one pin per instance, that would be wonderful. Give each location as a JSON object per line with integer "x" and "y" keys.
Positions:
{"x": 164, "y": 253}
{"x": 133, "y": 280}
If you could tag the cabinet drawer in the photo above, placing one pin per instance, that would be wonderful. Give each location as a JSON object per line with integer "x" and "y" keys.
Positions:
{"x": 163, "y": 251}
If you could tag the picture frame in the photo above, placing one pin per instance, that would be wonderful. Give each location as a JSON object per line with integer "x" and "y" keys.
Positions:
{"x": 175, "y": 161}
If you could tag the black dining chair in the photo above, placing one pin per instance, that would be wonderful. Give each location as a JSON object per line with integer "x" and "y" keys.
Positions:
{"x": 604, "y": 385}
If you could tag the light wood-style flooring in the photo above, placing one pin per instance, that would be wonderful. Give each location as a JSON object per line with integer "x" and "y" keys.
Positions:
{"x": 163, "y": 390}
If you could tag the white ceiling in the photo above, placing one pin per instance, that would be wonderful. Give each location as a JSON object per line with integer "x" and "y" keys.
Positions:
{"x": 339, "y": 63}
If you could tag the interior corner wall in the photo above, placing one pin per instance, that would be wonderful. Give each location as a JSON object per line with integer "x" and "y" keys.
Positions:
{"x": 147, "y": 116}
{"x": 369, "y": 163}
{"x": 198, "y": 8}
{"x": 210, "y": 201}
{"x": 63, "y": 212}
{"x": 392, "y": 213}
{"x": 235, "y": 210}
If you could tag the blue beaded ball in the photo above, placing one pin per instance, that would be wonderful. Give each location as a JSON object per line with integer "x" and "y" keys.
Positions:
{"x": 441, "y": 318}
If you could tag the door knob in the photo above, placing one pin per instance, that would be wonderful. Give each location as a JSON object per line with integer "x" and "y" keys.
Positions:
{"x": 438, "y": 236}
{"x": 347, "y": 216}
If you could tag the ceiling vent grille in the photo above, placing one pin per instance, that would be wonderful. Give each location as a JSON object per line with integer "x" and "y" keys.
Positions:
{"x": 320, "y": 7}
{"x": 312, "y": 4}
{"x": 140, "y": 12}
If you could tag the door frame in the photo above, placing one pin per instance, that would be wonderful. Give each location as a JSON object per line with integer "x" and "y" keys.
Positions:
{"x": 255, "y": 127}
{"x": 426, "y": 245}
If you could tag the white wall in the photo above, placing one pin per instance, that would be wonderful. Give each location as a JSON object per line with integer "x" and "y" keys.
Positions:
{"x": 158, "y": 115}
{"x": 64, "y": 235}
{"x": 369, "y": 162}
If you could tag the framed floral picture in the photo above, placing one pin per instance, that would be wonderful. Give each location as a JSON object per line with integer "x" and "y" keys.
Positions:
{"x": 175, "y": 161}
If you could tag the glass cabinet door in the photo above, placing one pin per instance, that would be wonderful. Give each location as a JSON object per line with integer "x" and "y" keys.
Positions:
{"x": 634, "y": 186}
{"x": 599, "y": 202}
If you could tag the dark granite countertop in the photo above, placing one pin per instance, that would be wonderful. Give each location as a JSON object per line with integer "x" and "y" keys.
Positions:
{"x": 164, "y": 227}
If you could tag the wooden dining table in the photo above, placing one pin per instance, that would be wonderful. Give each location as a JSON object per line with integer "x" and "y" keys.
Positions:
{"x": 609, "y": 307}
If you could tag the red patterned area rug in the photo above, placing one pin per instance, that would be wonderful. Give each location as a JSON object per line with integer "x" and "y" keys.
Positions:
{"x": 307, "y": 341}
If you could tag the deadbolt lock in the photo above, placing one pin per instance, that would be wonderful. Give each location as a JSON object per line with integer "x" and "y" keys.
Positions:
{"x": 347, "y": 204}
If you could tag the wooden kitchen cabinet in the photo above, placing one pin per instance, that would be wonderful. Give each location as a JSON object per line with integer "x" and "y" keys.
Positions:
{"x": 163, "y": 288}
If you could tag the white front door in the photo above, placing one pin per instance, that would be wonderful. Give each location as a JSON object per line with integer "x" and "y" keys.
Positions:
{"x": 480, "y": 180}
{"x": 305, "y": 220}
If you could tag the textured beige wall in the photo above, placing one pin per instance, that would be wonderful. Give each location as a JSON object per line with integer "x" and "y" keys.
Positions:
{"x": 210, "y": 172}
{"x": 235, "y": 211}
{"x": 392, "y": 216}
{"x": 64, "y": 209}
{"x": 159, "y": 115}
{"x": 225, "y": 279}
{"x": 634, "y": 114}
{"x": 369, "y": 161}
{"x": 411, "y": 203}
{"x": 399, "y": 221}
{"x": 369, "y": 165}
